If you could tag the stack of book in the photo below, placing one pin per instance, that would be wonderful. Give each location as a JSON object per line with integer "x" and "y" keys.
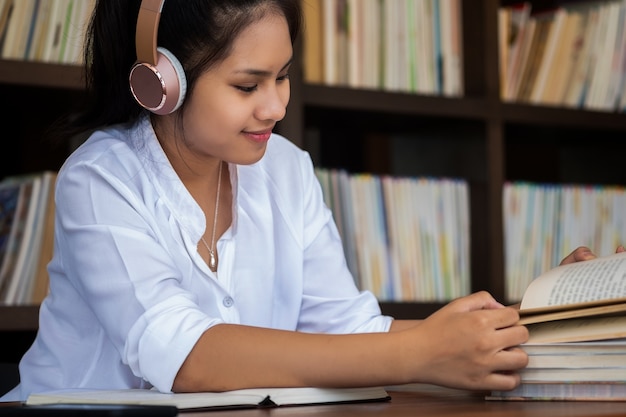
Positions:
{"x": 576, "y": 317}
{"x": 580, "y": 371}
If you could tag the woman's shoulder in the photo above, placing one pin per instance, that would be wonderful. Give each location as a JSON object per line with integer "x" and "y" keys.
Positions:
{"x": 101, "y": 142}
{"x": 112, "y": 148}
{"x": 114, "y": 156}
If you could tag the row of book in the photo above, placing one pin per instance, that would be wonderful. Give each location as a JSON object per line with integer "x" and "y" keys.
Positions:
{"x": 395, "y": 45}
{"x": 572, "y": 56}
{"x": 26, "y": 237}
{"x": 405, "y": 238}
{"x": 44, "y": 30}
{"x": 545, "y": 222}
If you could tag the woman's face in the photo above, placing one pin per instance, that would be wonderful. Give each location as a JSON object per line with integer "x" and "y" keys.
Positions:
{"x": 236, "y": 104}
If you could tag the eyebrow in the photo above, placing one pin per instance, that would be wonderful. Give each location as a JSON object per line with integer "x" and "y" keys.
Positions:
{"x": 262, "y": 73}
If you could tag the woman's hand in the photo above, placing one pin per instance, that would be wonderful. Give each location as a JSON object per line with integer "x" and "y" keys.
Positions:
{"x": 583, "y": 253}
{"x": 472, "y": 343}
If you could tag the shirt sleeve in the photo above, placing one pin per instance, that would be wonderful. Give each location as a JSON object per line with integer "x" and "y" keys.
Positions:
{"x": 114, "y": 257}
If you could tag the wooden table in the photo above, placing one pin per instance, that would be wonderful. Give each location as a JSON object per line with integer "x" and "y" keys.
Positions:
{"x": 426, "y": 400}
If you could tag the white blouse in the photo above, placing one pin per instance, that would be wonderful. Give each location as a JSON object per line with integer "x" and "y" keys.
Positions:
{"x": 129, "y": 293}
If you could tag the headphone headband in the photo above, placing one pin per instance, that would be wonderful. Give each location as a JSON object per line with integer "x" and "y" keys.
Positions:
{"x": 147, "y": 30}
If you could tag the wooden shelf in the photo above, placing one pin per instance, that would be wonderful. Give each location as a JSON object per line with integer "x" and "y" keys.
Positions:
{"x": 39, "y": 74}
{"x": 344, "y": 98}
{"x": 562, "y": 117}
{"x": 19, "y": 318}
{"x": 391, "y": 102}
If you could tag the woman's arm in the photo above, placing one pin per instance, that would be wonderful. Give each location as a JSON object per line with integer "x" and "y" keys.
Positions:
{"x": 399, "y": 325}
{"x": 470, "y": 343}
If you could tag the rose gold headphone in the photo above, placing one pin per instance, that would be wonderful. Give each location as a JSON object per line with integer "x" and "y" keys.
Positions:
{"x": 157, "y": 80}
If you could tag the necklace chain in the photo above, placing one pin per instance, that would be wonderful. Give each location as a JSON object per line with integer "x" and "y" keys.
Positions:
{"x": 212, "y": 255}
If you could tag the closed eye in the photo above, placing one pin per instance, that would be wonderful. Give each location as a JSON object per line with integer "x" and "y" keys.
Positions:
{"x": 247, "y": 89}
{"x": 253, "y": 88}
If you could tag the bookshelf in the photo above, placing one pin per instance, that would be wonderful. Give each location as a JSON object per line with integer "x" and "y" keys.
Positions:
{"x": 354, "y": 129}
{"x": 509, "y": 140}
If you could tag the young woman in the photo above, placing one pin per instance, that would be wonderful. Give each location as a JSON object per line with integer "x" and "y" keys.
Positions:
{"x": 193, "y": 250}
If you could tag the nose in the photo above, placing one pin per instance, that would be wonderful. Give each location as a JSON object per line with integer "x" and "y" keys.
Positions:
{"x": 273, "y": 104}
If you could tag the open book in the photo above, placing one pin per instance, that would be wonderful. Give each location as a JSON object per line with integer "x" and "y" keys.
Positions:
{"x": 245, "y": 398}
{"x": 577, "y": 302}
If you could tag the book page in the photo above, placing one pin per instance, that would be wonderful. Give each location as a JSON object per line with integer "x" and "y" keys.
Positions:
{"x": 598, "y": 280}
{"x": 539, "y": 315}
{"x": 606, "y": 347}
{"x": 578, "y": 330}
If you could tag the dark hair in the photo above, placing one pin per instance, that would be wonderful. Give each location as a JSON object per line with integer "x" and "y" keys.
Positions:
{"x": 200, "y": 33}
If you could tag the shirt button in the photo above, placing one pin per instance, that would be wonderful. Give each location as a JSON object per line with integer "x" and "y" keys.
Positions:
{"x": 228, "y": 301}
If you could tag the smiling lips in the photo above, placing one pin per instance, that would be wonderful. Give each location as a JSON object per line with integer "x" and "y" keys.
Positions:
{"x": 259, "y": 137}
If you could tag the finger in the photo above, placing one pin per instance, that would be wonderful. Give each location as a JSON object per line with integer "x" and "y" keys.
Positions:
{"x": 501, "y": 318}
{"x": 582, "y": 253}
{"x": 480, "y": 300}
{"x": 504, "y": 370}
{"x": 510, "y": 338}
{"x": 511, "y": 359}
{"x": 501, "y": 381}
{"x": 509, "y": 362}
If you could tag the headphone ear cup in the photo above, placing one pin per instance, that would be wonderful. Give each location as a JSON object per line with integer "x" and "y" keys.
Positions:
{"x": 179, "y": 75}
{"x": 160, "y": 89}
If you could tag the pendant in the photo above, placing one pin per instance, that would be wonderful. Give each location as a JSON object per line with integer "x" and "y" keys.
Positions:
{"x": 212, "y": 261}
